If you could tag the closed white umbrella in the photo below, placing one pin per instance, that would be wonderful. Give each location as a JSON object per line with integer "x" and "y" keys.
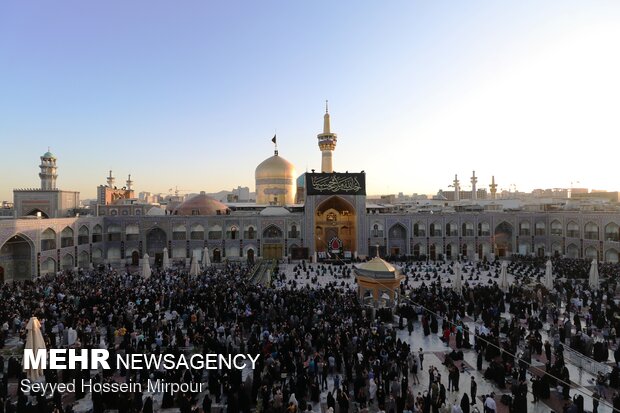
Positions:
{"x": 206, "y": 259}
{"x": 195, "y": 268}
{"x": 503, "y": 276}
{"x": 593, "y": 281}
{"x": 34, "y": 342}
{"x": 166, "y": 261}
{"x": 457, "y": 285}
{"x": 549, "y": 276}
{"x": 146, "y": 267}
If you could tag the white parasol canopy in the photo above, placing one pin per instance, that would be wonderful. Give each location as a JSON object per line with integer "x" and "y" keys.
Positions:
{"x": 166, "y": 260}
{"x": 457, "y": 285}
{"x": 34, "y": 342}
{"x": 549, "y": 276}
{"x": 195, "y": 268}
{"x": 503, "y": 276}
{"x": 594, "y": 281}
{"x": 206, "y": 259}
{"x": 146, "y": 266}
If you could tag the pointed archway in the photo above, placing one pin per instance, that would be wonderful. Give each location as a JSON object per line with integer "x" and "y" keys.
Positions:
{"x": 503, "y": 239}
{"x": 335, "y": 228}
{"x": 16, "y": 258}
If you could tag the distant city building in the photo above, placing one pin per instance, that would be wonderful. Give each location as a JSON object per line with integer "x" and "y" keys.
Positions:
{"x": 109, "y": 194}
{"x": 240, "y": 194}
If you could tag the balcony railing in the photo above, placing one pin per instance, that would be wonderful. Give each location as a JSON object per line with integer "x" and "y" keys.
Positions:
{"x": 83, "y": 239}
{"x": 132, "y": 237}
{"x": 97, "y": 238}
{"x": 197, "y": 235}
{"x": 179, "y": 236}
{"x": 612, "y": 237}
{"x": 215, "y": 234}
{"x": 591, "y": 235}
{"x": 524, "y": 232}
{"x": 572, "y": 234}
{"x": 115, "y": 236}
{"x": 232, "y": 234}
{"x": 293, "y": 234}
{"x": 556, "y": 232}
{"x": 375, "y": 233}
{"x": 249, "y": 234}
{"x": 66, "y": 242}
{"x": 48, "y": 244}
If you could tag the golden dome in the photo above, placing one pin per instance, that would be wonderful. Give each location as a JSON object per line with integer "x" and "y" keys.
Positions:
{"x": 275, "y": 181}
{"x": 275, "y": 167}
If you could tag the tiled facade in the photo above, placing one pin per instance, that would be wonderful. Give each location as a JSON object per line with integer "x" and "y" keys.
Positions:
{"x": 45, "y": 245}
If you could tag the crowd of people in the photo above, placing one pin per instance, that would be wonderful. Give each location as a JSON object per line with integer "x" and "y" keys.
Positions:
{"x": 319, "y": 346}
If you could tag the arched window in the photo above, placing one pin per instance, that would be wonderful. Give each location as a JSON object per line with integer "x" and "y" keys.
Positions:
{"x": 272, "y": 232}
{"x": 467, "y": 230}
{"x": 293, "y": 233}
{"x": 250, "y": 233}
{"x": 97, "y": 234}
{"x": 114, "y": 233}
{"x": 484, "y": 229}
{"x": 591, "y": 231}
{"x": 539, "y": 228}
{"x": 197, "y": 232}
{"x": 419, "y": 229}
{"x": 572, "y": 230}
{"x": 556, "y": 228}
{"x": 524, "y": 228}
{"x": 83, "y": 235}
{"x": 66, "y": 238}
{"x": 612, "y": 232}
{"x": 179, "y": 232}
{"x": 132, "y": 233}
{"x": 48, "y": 240}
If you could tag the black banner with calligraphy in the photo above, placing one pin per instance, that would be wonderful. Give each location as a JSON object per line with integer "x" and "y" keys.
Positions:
{"x": 335, "y": 183}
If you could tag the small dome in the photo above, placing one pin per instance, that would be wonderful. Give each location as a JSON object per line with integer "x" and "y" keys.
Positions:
{"x": 275, "y": 167}
{"x": 201, "y": 205}
{"x": 275, "y": 211}
{"x": 156, "y": 211}
{"x": 48, "y": 155}
{"x": 377, "y": 268}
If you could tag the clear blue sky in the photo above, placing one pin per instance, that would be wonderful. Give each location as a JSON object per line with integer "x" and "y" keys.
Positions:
{"x": 190, "y": 93}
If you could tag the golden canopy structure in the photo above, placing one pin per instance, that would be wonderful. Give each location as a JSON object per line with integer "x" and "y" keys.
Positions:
{"x": 378, "y": 282}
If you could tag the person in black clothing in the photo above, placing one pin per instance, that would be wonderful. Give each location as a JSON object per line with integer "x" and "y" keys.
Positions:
{"x": 331, "y": 401}
{"x": 473, "y": 389}
{"x": 465, "y": 403}
{"x": 548, "y": 350}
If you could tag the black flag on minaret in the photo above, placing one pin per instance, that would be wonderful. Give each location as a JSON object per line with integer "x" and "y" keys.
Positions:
{"x": 273, "y": 139}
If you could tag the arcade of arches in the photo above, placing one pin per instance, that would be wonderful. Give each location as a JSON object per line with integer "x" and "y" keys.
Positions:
{"x": 335, "y": 229}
